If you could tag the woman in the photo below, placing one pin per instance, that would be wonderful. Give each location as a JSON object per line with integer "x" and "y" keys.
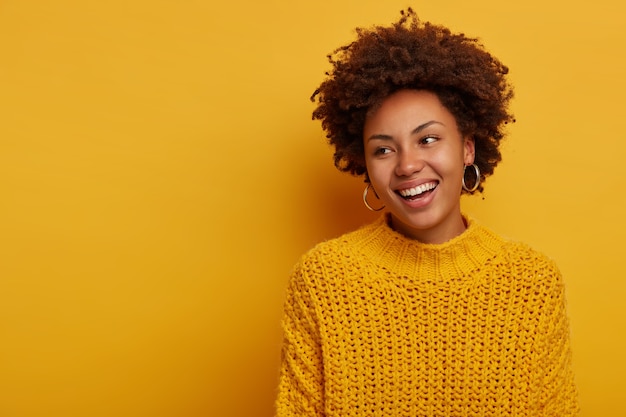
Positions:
{"x": 424, "y": 312}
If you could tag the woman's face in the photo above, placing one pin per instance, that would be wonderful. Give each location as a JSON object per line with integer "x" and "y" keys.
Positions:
{"x": 415, "y": 157}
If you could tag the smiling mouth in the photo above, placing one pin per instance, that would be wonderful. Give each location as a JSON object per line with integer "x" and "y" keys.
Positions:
{"x": 418, "y": 192}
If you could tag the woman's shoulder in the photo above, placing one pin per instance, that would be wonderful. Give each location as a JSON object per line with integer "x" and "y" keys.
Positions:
{"x": 336, "y": 256}
{"x": 524, "y": 252}
{"x": 340, "y": 246}
{"x": 524, "y": 259}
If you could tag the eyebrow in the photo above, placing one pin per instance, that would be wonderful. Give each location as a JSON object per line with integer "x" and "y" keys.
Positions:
{"x": 413, "y": 132}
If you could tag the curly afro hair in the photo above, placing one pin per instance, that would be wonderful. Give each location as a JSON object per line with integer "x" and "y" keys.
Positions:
{"x": 410, "y": 54}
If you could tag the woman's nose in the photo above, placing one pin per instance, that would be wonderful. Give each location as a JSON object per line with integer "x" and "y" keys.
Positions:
{"x": 409, "y": 163}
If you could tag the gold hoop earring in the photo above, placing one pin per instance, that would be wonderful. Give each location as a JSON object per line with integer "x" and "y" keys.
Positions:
{"x": 365, "y": 198}
{"x": 476, "y": 181}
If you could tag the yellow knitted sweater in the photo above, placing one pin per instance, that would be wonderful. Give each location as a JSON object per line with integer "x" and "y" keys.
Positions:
{"x": 377, "y": 324}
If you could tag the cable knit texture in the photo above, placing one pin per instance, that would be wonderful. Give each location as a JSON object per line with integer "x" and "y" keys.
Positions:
{"x": 377, "y": 324}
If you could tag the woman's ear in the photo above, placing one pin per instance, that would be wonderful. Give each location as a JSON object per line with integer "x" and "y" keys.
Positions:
{"x": 469, "y": 150}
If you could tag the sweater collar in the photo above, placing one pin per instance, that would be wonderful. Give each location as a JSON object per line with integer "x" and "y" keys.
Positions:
{"x": 408, "y": 257}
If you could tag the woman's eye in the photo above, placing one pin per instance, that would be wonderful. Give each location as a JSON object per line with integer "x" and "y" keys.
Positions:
{"x": 382, "y": 151}
{"x": 429, "y": 139}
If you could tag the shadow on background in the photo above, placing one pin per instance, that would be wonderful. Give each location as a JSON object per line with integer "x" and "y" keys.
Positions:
{"x": 329, "y": 201}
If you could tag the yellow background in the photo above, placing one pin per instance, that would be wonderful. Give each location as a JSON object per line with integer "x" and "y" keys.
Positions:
{"x": 160, "y": 175}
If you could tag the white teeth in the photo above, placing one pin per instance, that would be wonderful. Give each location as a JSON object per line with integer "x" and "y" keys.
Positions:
{"x": 412, "y": 192}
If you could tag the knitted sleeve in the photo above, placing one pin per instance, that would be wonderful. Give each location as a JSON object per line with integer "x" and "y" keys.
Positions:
{"x": 557, "y": 396}
{"x": 301, "y": 374}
